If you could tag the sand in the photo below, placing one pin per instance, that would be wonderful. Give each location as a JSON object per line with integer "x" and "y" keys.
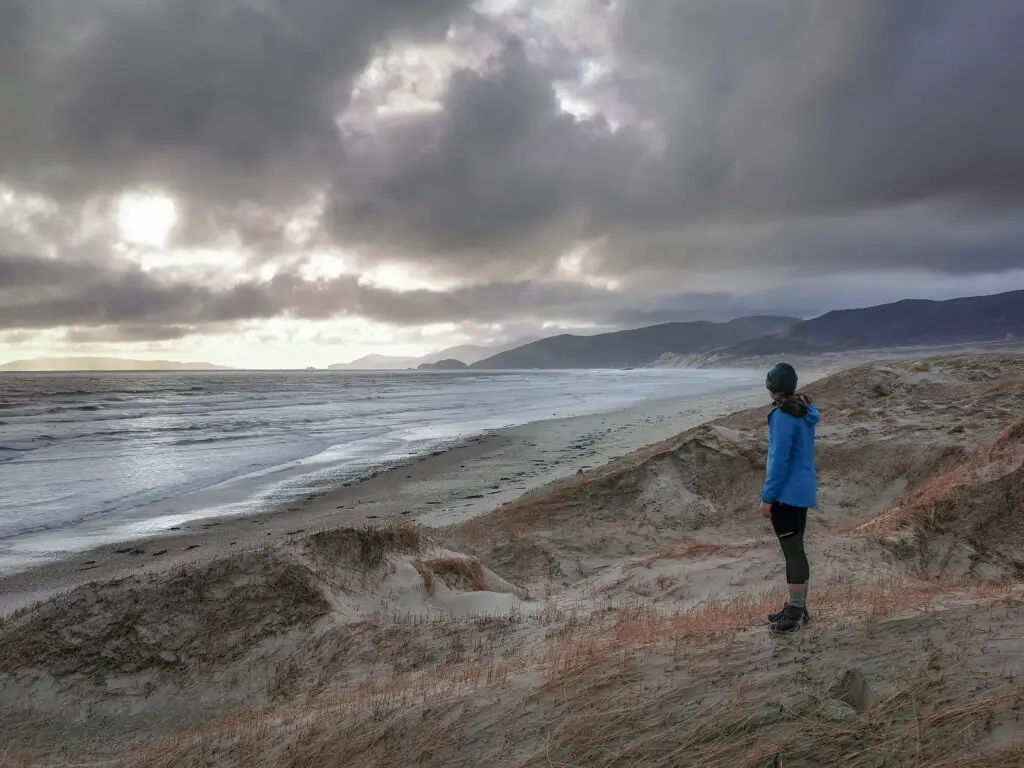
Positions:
{"x": 610, "y": 618}
{"x": 471, "y": 478}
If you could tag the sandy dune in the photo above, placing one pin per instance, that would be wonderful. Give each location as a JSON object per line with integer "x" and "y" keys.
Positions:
{"x": 613, "y": 619}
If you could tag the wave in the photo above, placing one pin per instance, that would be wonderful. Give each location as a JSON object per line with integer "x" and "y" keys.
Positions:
{"x": 52, "y": 393}
{"x": 15, "y": 448}
{"x": 105, "y": 450}
{"x": 70, "y": 408}
{"x": 205, "y": 440}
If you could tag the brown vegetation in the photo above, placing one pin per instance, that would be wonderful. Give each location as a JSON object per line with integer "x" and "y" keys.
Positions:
{"x": 204, "y": 615}
{"x": 322, "y": 653}
{"x": 455, "y": 572}
{"x": 966, "y": 520}
{"x": 637, "y": 688}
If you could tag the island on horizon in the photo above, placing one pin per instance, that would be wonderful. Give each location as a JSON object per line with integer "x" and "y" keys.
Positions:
{"x": 443, "y": 365}
{"x": 89, "y": 364}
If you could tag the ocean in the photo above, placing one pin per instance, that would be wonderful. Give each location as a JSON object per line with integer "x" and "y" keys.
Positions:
{"x": 159, "y": 449}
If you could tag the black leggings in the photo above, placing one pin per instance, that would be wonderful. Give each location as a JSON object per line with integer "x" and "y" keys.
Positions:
{"x": 790, "y": 523}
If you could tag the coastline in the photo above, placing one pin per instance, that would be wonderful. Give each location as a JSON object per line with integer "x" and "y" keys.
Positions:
{"x": 381, "y": 644}
{"x": 471, "y": 478}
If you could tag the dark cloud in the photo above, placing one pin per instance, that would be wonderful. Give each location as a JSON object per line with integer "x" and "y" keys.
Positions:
{"x": 120, "y": 305}
{"x": 777, "y": 134}
{"x": 215, "y": 101}
{"x": 940, "y": 238}
{"x": 129, "y": 304}
{"x": 491, "y": 173}
{"x": 43, "y": 293}
{"x": 794, "y": 106}
{"x": 762, "y": 140}
{"x": 122, "y": 334}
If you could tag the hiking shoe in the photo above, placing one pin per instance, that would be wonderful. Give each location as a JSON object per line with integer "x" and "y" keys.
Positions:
{"x": 772, "y": 618}
{"x": 792, "y": 619}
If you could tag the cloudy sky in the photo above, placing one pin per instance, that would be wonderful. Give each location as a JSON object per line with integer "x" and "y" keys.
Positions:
{"x": 288, "y": 182}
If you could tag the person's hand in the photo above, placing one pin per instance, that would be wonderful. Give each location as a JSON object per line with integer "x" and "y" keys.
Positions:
{"x": 766, "y": 511}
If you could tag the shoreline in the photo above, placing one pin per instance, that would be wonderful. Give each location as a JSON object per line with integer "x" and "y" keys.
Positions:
{"x": 366, "y": 645}
{"x": 474, "y": 476}
{"x": 96, "y": 452}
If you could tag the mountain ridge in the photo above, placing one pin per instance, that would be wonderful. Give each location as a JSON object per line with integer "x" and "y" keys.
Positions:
{"x": 631, "y": 348}
{"x": 907, "y": 323}
{"x": 448, "y": 364}
{"x": 466, "y": 353}
{"x": 87, "y": 364}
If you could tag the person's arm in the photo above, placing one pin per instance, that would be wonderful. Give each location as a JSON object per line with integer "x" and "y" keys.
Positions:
{"x": 781, "y": 432}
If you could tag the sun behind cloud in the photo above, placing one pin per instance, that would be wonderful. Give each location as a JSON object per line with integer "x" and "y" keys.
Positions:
{"x": 146, "y": 219}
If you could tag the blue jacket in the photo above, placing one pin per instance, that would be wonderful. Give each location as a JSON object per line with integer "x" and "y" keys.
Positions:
{"x": 791, "y": 477}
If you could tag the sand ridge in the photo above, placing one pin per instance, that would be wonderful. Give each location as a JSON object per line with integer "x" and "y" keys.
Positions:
{"x": 614, "y": 618}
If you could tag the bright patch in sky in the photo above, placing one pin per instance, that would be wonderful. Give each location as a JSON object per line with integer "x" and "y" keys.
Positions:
{"x": 146, "y": 219}
{"x": 224, "y": 265}
{"x": 400, "y": 278}
{"x": 326, "y": 266}
{"x": 578, "y": 266}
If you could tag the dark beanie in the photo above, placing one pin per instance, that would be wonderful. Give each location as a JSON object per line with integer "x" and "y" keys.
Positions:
{"x": 781, "y": 379}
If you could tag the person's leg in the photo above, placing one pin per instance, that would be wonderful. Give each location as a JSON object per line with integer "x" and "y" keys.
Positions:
{"x": 797, "y": 569}
{"x": 789, "y": 524}
{"x": 778, "y": 520}
{"x": 803, "y": 531}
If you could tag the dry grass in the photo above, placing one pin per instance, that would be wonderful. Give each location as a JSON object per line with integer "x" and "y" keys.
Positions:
{"x": 925, "y": 722}
{"x": 925, "y": 506}
{"x": 1009, "y": 386}
{"x": 586, "y": 647}
{"x": 608, "y": 706}
{"x": 456, "y": 572}
{"x": 204, "y": 615}
{"x": 695, "y": 550}
{"x": 365, "y": 547}
{"x": 601, "y": 684}
{"x": 1014, "y": 433}
{"x": 1011, "y": 757}
{"x": 640, "y": 625}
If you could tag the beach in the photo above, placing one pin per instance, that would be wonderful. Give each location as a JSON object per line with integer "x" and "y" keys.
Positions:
{"x": 445, "y": 486}
{"x": 604, "y": 605}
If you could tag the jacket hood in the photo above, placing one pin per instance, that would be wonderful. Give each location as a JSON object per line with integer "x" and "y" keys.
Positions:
{"x": 799, "y": 406}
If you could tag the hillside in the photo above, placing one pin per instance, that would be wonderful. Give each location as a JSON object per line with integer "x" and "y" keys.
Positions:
{"x": 632, "y": 348}
{"x": 614, "y": 619}
{"x": 468, "y": 353}
{"x": 908, "y": 323}
{"x": 443, "y": 365}
{"x": 52, "y": 364}
{"x": 377, "y": 363}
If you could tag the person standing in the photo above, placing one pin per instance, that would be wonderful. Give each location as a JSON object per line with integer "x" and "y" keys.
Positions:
{"x": 790, "y": 488}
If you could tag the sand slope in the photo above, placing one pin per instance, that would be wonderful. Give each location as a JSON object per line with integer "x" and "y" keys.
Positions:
{"x": 615, "y": 619}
